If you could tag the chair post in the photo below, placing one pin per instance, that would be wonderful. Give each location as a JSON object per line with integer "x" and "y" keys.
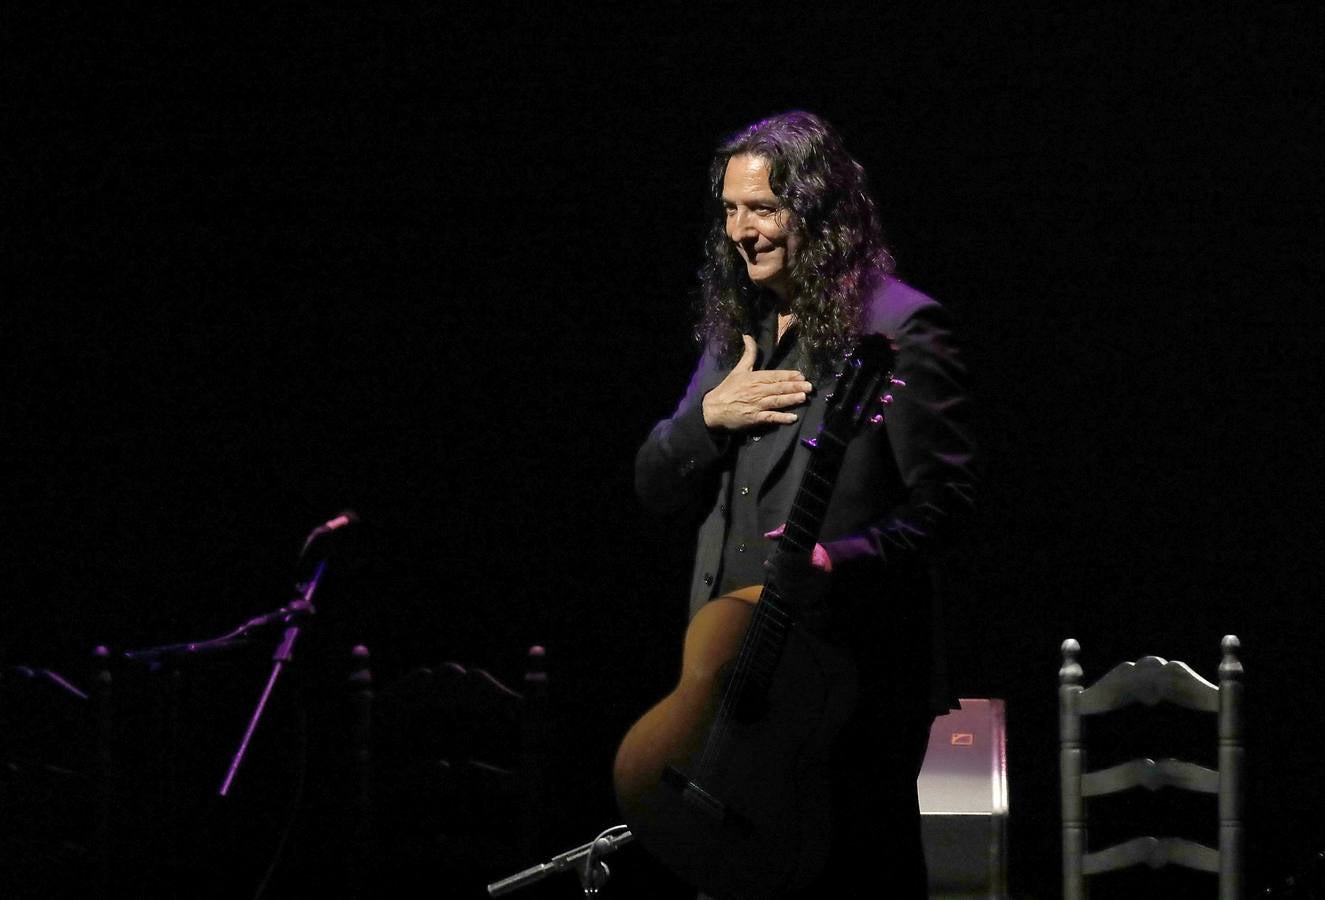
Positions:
{"x": 533, "y": 741}
{"x": 104, "y": 768}
{"x": 1231, "y": 753}
{"x": 1070, "y": 764}
{"x": 361, "y": 759}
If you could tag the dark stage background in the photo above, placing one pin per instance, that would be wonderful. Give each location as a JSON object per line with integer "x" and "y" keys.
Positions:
{"x": 436, "y": 265}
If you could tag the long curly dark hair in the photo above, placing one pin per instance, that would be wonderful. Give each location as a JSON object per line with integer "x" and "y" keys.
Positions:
{"x": 824, "y": 192}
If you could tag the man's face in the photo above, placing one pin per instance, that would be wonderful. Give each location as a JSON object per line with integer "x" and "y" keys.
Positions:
{"x": 757, "y": 223}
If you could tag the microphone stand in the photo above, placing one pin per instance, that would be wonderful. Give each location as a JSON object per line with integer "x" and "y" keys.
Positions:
{"x": 284, "y": 653}
{"x": 585, "y": 859}
{"x": 301, "y": 605}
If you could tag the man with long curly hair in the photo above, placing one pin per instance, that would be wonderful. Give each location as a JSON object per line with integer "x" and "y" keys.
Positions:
{"x": 795, "y": 273}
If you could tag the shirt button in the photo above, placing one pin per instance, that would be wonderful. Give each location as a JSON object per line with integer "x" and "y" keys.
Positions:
{"x": 745, "y": 489}
{"x": 722, "y": 508}
{"x": 708, "y": 579}
{"x": 740, "y": 548}
{"x": 756, "y": 437}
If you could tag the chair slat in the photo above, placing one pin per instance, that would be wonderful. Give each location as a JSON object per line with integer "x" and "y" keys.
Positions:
{"x": 1149, "y": 680}
{"x": 1150, "y": 775}
{"x": 1153, "y": 852}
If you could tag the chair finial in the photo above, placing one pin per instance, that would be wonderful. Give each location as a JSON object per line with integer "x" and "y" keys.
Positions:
{"x": 1231, "y": 667}
{"x": 536, "y": 672}
{"x": 1070, "y": 673}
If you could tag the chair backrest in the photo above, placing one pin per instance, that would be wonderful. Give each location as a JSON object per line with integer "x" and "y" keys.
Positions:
{"x": 1151, "y": 681}
{"x": 47, "y": 788}
{"x": 460, "y": 760}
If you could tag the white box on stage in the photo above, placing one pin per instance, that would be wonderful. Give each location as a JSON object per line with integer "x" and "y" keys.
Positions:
{"x": 963, "y": 789}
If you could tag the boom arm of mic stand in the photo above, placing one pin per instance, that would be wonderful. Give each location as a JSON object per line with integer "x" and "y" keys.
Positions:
{"x": 585, "y": 855}
{"x": 301, "y": 605}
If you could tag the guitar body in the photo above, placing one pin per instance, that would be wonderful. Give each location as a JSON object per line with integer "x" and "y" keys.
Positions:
{"x": 755, "y": 821}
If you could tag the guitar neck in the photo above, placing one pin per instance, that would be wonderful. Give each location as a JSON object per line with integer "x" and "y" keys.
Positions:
{"x": 810, "y": 506}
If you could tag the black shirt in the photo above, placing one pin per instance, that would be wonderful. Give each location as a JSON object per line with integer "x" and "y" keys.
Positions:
{"x": 745, "y": 548}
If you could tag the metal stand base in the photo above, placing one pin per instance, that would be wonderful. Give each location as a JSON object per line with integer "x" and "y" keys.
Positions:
{"x": 585, "y": 859}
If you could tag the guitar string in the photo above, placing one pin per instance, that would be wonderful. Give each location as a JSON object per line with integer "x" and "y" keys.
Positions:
{"x": 765, "y": 619}
{"x": 732, "y": 691}
{"x": 768, "y": 626}
{"x": 822, "y": 468}
{"x": 769, "y": 615}
{"x": 756, "y": 661}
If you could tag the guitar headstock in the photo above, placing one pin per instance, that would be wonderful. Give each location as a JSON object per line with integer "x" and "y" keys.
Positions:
{"x": 862, "y": 392}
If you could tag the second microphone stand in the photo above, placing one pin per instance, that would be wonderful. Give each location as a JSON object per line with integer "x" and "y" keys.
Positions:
{"x": 303, "y": 605}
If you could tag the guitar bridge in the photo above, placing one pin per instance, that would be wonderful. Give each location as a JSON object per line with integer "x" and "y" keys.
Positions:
{"x": 693, "y": 795}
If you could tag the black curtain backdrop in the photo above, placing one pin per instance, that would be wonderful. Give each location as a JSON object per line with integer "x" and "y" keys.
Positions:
{"x": 437, "y": 265}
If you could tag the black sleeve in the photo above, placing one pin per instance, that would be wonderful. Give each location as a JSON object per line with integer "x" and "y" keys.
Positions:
{"x": 675, "y": 466}
{"x": 932, "y": 444}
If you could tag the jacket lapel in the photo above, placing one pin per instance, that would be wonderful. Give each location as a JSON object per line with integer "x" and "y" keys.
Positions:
{"x": 786, "y": 437}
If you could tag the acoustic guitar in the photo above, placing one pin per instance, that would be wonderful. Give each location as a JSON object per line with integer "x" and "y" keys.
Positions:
{"x": 725, "y": 780}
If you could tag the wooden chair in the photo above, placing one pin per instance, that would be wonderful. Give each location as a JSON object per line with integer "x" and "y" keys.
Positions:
{"x": 459, "y": 758}
{"x": 1150, "y": 681}
{"x": 47, "y": 784}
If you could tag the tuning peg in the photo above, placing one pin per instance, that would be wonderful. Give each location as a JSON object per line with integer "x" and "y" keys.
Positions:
{"x": 886, "y": 399}
{"x": 896, "y": 382}
{"x": 810, "y": 443}
{"x": 876, "y": 419}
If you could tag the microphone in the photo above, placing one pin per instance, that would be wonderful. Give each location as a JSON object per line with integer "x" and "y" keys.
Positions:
{"x": 342, "y": 520}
